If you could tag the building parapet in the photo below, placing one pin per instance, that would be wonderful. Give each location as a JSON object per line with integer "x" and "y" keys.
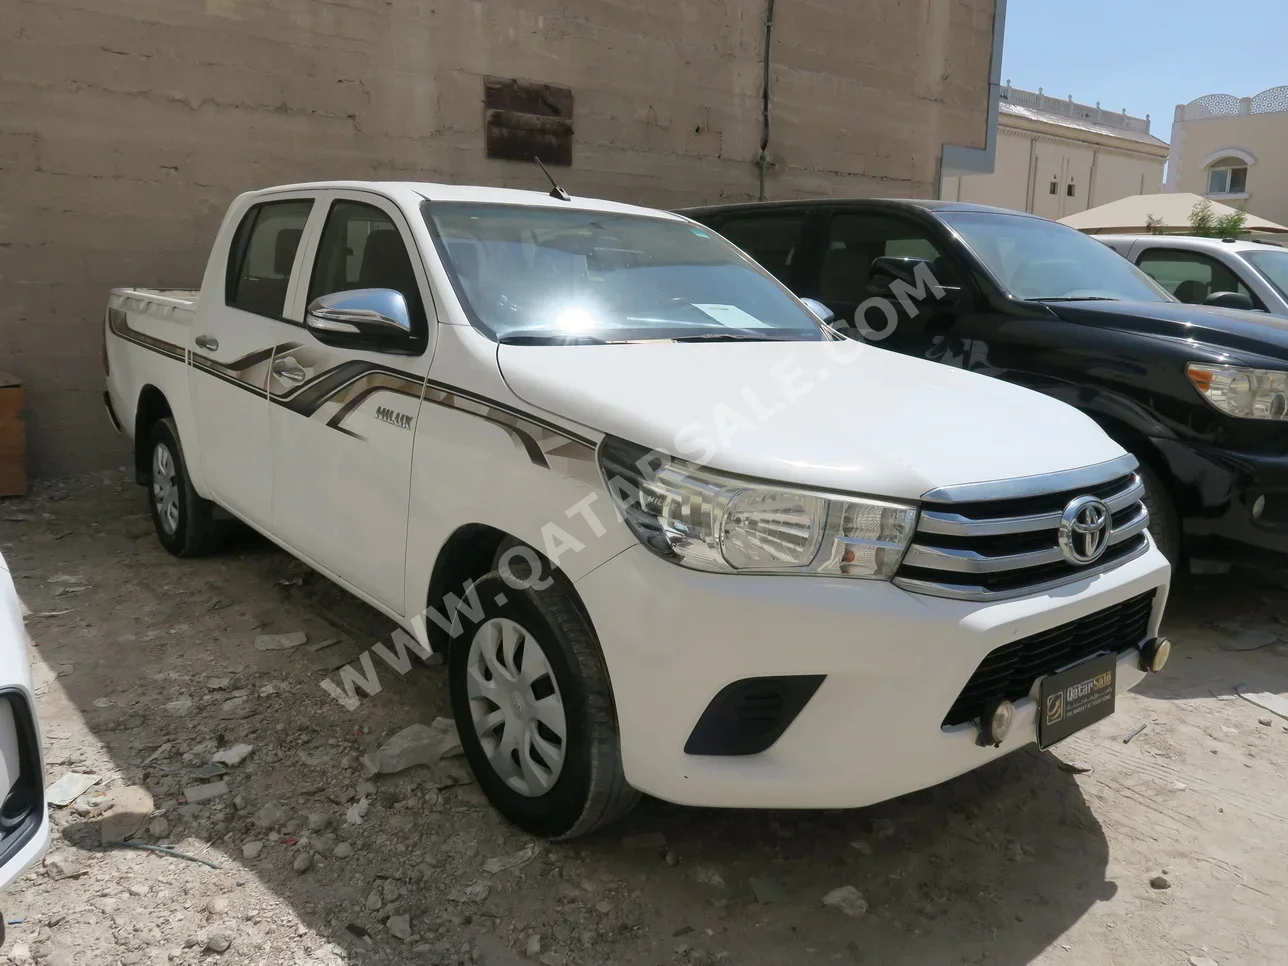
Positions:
{"x": 1068, "y": 107}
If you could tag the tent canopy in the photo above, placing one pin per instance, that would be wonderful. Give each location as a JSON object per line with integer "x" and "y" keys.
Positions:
{"x": 1130, "y": 216}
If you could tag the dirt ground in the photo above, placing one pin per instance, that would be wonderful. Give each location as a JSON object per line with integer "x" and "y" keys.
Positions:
{"x": 146, "y": 667}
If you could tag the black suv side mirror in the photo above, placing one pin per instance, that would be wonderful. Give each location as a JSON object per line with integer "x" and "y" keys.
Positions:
{"x": 1230, "y": 300}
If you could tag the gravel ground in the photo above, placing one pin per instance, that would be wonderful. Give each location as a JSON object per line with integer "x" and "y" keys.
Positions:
{"x": 1168, "y": 849}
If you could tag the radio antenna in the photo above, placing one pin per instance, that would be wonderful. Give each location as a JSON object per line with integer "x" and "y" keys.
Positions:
{"x": 555, "y": 190}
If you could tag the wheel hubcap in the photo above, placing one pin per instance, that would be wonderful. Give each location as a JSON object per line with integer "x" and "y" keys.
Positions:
{"x": 516, "y": 708}
{"x": 165, "y": 494}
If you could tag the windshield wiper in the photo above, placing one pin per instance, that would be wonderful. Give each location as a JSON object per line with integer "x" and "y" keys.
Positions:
{"x": 1078, "y": 298}
{"x": 528, "y": 338}
{"x": 728, "y": 337}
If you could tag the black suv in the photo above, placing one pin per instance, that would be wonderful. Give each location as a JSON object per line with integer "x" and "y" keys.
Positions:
{"x": 1199, "y": 394}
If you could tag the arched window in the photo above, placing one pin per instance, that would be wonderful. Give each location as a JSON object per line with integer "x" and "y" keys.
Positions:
{"x": 1227, "y": 172}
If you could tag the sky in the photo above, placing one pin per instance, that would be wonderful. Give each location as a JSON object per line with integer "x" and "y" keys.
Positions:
{"x": 1146, "y": 55}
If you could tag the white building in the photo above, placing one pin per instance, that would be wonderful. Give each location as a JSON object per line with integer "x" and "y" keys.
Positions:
{"x": 1233, "y": 150}
{"x": 1058, "y": 157}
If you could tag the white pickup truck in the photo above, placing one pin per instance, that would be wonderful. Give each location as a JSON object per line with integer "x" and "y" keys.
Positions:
{"x": 672, "y": 534}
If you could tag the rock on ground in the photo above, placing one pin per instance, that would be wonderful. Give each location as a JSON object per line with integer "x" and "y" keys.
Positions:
{"x": 280, "y": 642}
{"x": 399, "y": 927}
{"x": 234, "y": 756}
{"x": 416, "y": 744}
{"x": 848, "y": 900}
{"x": 129, "y": 807}
{"x": 197, "y": 794}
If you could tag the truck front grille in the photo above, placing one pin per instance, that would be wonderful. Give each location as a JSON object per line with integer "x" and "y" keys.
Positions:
{"x": 1009, "y": 673}
{"x": 970, "y": 547}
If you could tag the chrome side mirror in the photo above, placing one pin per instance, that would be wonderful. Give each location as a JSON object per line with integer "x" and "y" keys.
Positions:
{"x": 376, "y": 313}
{"x": 819, "y": 310}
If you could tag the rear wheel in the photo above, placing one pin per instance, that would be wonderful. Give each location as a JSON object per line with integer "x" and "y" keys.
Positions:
{"x": 534, "y": 711}
{"x": 1164, "y": 524}
{"x": 185, "y": 523}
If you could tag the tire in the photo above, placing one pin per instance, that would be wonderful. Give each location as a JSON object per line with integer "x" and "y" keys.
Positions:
{"x": 560, "y": 797}
{"x": 185, "y": 523}
{"x": 1164, "y": 525}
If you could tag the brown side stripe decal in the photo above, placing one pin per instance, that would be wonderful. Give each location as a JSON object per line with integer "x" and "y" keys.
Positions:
{"x": 119, "y": 322}
{"x": 352, "y": 382}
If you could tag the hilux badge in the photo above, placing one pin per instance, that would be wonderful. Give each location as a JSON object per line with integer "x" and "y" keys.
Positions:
{"x": 387, "y": 415}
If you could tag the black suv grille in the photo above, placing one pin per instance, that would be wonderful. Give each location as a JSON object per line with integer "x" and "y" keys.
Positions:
{"x": 1008, "y": 673}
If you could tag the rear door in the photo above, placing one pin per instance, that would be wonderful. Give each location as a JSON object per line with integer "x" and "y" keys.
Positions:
{"x": 232, "y": 349}
{"x": 343, "y": 416}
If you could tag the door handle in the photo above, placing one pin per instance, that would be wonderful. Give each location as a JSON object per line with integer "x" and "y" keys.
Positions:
{"x": 289, "y": 370}
{"x": 206, "y": 342}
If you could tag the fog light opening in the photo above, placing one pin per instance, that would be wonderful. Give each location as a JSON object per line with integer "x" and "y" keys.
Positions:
{"x": 995, "y": 723}
{"x": 1154, "y": 654}
{"x": 1258, "y": 507}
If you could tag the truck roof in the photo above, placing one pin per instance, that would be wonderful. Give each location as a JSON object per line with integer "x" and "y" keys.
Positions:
{"x": 1193, "y": 242}
{"x": 927, "y": 204}
{"x": 415, "y": 191}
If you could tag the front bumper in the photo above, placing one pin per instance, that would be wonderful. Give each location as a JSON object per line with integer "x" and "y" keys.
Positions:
{"x": 892, "y": 662}
{"x": 111, "y": 412}
{"x": 1215, "y": 491}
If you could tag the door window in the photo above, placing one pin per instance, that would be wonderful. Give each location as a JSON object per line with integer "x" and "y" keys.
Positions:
{"x": 263, "y": 254}
{"x": 854, "y": 241}
{"x": 361, "y": 247}
{"x": 774, "y": 240}
{"x": 1190, "y": 276}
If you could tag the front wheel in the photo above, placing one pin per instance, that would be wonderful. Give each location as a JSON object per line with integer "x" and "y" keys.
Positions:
{"x": 1164, "y": 524}
{"x": 534, "y": 711}
{"x": 185, "y": 523}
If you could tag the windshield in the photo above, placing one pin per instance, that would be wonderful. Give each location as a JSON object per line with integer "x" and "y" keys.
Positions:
{"x": 1048, "y": 262}
{"x": 1273, "y": 264}
{"x": 527, "y": 274}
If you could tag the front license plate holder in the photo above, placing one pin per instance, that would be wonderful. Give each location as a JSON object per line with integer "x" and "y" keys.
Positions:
{"x": 1076, "y": 697}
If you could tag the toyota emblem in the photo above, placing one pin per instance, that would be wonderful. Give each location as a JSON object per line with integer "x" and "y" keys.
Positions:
{"x": 1084, "y": 531}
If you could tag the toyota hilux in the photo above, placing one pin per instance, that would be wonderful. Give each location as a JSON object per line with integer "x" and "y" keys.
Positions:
{"x": 615, "y": 473}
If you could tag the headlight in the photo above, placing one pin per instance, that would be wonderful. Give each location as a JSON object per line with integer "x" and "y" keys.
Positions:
{"x": 1245, "y": 393}
{"x": 712, "y": 521}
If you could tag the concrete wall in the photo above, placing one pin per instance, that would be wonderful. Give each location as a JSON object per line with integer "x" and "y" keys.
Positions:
{"x": 126, "y": 126}
{"x": 1028, "y": 162}
{"x": 1262, "y": 136}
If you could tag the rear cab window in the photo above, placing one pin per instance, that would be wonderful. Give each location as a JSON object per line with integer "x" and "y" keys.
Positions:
{"x": 262, "y": 256}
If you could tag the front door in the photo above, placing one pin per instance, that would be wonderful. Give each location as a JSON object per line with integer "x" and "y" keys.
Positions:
{"x": 343, "y": 417}
{"x": 912, "y": 320}
{"x": 232, "y": 350}
{"x": 1191, "y": 276}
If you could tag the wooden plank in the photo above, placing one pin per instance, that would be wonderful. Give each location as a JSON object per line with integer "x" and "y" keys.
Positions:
{"x": 13, "y": 441}
{"x": 522, "y": 137}
{"x": 527, "y": 97}
{"x": 524, "y": 120}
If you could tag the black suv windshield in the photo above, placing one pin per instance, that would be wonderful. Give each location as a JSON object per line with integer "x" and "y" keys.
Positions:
{"x": 541, "y": 274}
{"x": 1044, "y": 261}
